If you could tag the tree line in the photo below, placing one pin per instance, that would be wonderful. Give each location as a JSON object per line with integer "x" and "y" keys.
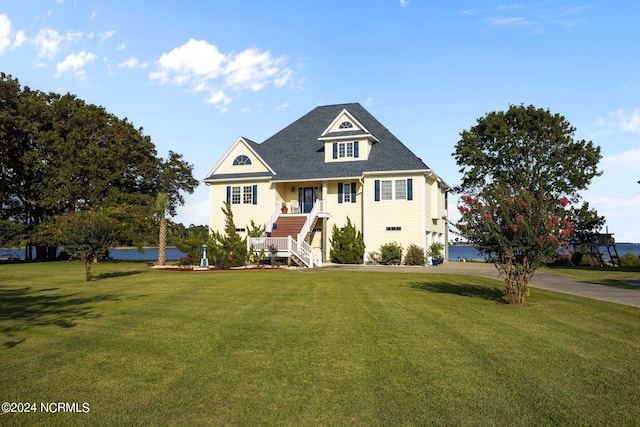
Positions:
{"x": 61, "y": 157}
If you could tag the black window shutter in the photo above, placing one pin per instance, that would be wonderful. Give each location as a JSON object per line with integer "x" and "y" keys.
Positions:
{"x": 356, "y": 149}
{"x": 228, "y": 194}
{"x": 335, "y": 150}
{"x": 377, "y": 190}
{"x": 340, "y": 192}
{"x": 255, "y": 194}
{"x": 353, "y": 192}
{"x": 410, "y": 189}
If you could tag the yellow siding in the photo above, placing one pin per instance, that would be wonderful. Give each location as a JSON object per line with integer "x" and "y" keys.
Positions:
{"x": 405, "y": 214}
{"x": 242, "y": 213}
{"x": 226, "y": 165}
{"x": 340, "y": 211}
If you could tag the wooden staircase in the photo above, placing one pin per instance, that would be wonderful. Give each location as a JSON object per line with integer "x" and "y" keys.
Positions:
{"x": 288, "y": 225}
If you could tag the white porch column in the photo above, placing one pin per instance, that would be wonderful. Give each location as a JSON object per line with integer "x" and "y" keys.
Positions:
{"x": 325, "y": 232}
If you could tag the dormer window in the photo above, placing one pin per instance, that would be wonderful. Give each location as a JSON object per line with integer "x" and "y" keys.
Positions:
{"x": 346, "y": 125}
{"x": 346, "y": 150}
{"x": 241, "y": 160}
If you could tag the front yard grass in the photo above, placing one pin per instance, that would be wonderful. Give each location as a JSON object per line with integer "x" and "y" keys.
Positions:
{"x": 610, "y": 276}
{"x": 280, "y": 347}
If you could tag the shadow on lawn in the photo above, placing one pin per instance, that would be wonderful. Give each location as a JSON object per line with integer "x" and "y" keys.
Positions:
{"x": 462, "y": 289}
{"x": 20, "y": 306}
{"x": 113, "y": 274}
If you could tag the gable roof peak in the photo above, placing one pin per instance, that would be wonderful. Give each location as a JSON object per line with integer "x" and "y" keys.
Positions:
{"x": 345, "y": 116}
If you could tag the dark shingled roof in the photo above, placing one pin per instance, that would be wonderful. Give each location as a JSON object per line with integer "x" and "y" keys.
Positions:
{"x": 295, "y": 153}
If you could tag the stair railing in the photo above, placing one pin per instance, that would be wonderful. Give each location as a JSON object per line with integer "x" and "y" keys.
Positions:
{"x": 274, "y": 216}
{"x": 310, "y": 220}
{"x": 303, "y": 251}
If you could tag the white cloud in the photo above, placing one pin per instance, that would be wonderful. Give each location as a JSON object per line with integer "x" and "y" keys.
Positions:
{"x": 620, "y": 121}
{"x": 201, "y": 67}
{"x": 20, "y": 39}
{"x": 107, "y": 35}
{"x": 506, "y": 21}
{"x": 75, "y": 64}
{"x": 538, "y": 17}
{"x": 404, "y": 3}
{"x": 218, "y": 97}
{"x": 626, "y": 160}
{"x": 196, "y": 60}
{"x": 252, "y": 69}
{"x": 368, "y": 102}
{"x": 282, "y": 106}
{"x": 5, "y": 32}
{"x": 133, "y": 63}
{"x": 48, "y": 41}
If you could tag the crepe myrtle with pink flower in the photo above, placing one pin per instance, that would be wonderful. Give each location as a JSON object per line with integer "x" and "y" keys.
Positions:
{"x": 522, "y": 171}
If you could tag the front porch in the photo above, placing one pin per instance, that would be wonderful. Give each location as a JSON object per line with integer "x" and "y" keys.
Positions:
{"x": 288, "y": 234}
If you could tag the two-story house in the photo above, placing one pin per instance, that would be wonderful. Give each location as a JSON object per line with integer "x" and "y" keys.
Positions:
{"x": 337, "y": 161}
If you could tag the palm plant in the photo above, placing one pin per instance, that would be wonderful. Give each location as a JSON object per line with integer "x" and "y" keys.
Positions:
{"x": 162, "y": 204}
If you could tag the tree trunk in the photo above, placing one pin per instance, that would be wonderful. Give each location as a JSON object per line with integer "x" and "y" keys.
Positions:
{"x": 162, "y": 245}
{"x": 87, "y": 269}
{"x": 517, "y": 277}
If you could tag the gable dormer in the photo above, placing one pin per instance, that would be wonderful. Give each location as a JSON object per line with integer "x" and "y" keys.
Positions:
{"x": 241, "y": 158}
{"x": 346, "y": 139}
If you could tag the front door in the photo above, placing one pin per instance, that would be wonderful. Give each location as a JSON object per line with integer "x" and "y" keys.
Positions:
{"x": 307, "y": 196}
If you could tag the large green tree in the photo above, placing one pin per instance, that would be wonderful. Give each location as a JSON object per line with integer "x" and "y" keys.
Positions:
{"x": 520, "y": 169}
{"x": 85, "y": 235}
{"x": 61, "y": 155}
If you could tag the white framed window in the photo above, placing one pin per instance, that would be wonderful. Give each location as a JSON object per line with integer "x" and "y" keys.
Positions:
{"x": 401, "y": 189}
{"x": 341, "y": 150}
{"x": 345, "y": 149}
{"x": 389, "y": 189}
{"x": 346, "y": 125}
{"x": 242, "y": 194}
{"x": 386, "y": 190}
{"x": 235, "y": 195}
{"x": 347, "y": 192}
{"x": 247, "y": 194}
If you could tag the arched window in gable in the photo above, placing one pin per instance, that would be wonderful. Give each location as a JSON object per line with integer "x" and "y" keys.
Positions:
{"x": 346, "y": 125}
{"x": 241, "y": 160}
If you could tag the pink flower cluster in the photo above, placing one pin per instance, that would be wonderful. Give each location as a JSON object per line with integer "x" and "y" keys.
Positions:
{"x": 560, "y": 228}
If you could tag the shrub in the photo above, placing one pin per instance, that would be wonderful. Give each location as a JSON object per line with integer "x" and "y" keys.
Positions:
{"x": 436, "y": 250}
{"x": 391, "y": 253}
{"x": 347, "y": 245}
{"x": 227, "y": 263}
{"x": 630, "y": 260}
{"x": 186, "y": 262}
{"x": 415, "y": 255}
{"x": 374, "y": 257}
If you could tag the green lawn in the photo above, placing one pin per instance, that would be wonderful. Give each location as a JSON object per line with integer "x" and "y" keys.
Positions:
{"x": 278, "y": 347}
{"x": 610, "y": 276}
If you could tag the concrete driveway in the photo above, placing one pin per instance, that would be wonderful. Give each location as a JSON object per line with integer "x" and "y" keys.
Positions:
{"x": 547, "y": 281}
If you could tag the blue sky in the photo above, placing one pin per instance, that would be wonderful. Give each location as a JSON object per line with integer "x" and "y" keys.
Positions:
{"x": 198, "y": 74}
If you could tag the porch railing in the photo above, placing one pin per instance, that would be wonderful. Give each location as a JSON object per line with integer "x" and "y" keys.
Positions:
{"x": 285, "y": 245}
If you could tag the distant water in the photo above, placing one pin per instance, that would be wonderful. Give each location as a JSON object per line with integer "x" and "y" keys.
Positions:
{"x": 173, "y": 254}
{"x": 467, "y": 252}
{"x": 120, "y": 254}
